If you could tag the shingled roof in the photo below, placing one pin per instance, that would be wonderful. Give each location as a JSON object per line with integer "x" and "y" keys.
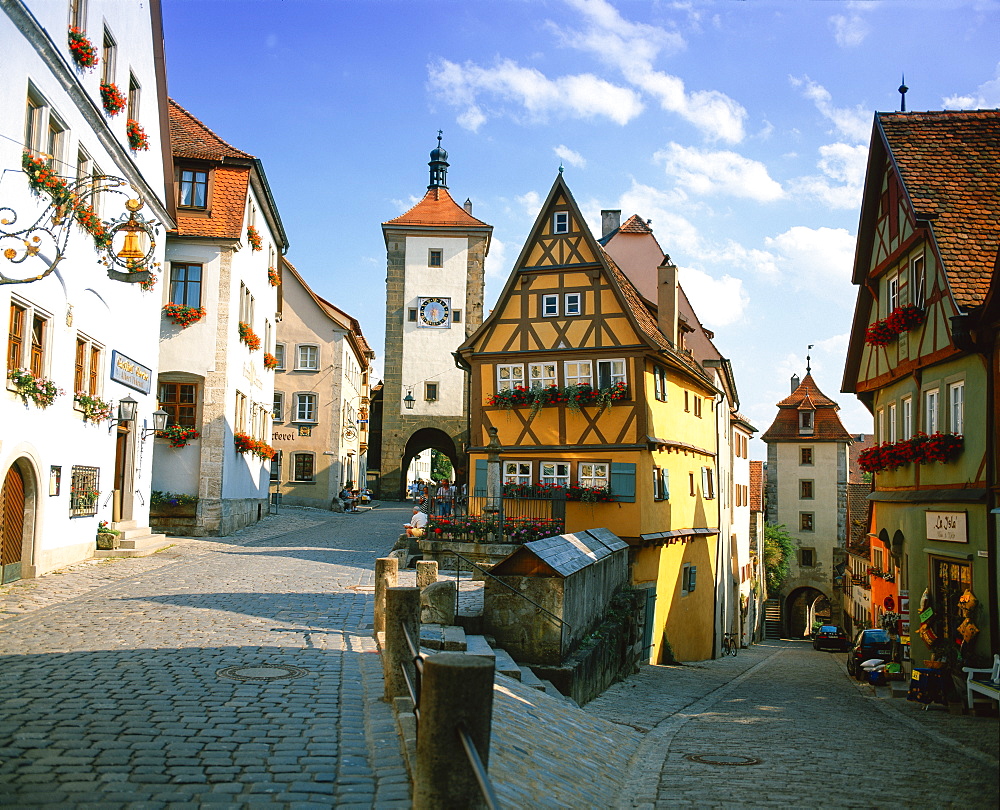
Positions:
{"x": 827, "y": 426}
{"x": 948, "y": 162}
{"x": 635, "y": 224}
{"x": 438, "y": 208}
{"x": 190, "y": 138}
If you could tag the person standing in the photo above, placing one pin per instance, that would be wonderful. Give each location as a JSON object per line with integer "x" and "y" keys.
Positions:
{"x": 443, "y": 496}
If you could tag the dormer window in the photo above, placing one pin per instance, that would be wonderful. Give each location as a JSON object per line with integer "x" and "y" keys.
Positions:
{"x": 192, "y": 187}
{"x": 806, "y": 420}
{"x": 560, "y": 222}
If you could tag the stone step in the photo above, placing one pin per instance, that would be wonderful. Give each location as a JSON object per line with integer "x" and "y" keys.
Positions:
{"x": 135, "y": 532}
{"x": 550, "y": 689}
{"x": 478, "y": 645}
{"x": 444, "y": 638}
{"x": 124, "y": 525}
{"x": 505, "y": 665}
{"x": 136, "y": 546}
{"x": 529, "y": 678}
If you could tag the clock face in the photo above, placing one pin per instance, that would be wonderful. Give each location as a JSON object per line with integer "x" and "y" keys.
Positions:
{"x": 435, "y": 312}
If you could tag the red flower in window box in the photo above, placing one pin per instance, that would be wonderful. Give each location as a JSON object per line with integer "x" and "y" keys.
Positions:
{"x": 183, "y": 316}
{"x": 248, "y": 336}
{"x": 253, "y": 237}
{"x": 272, "y": 277}
{"x": 270, "y": 361}
{"x": 177, "y": 435}
{"x": 901, "y": 319}
{"x": 82, "y": 49}
{"x": 112, "y": 98}
{"x": 247, "y": 444}
{"x": 138, "y": 141}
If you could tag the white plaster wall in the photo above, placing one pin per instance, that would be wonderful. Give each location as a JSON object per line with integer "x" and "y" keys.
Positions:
{"x": 427, "y": 352}
{"x": 78, "y": 297}
{"x": 823, "y": 473}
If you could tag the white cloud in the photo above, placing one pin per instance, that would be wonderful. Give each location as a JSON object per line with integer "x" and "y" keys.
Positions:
{"x": 841, "y": 183}
{"x": 854, "y": 124}
{"x": 567, "y": 155}
{"x": 405, "y": 205}
{"x": 674, "y": 231}
{"x": 509, "y": 84}
{"x": 849, "y": 32}
{"x": 496, "y": 262}
{"x": 987, "y": 96}
{"x": 817, "y": 259}
{"x": 718, "y": 302}
{"x": 531, "y": 201}
{"x": 707, "y": 172}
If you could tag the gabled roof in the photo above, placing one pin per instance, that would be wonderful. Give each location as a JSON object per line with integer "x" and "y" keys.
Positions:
{"x": 437, "y": 209}
{"x": 827, "y": 426}
{"x": 190, "y": 138}
{"x": 635, "y": 224}
{"x": 949, "y": 163}
{"x": 566, "y": 554}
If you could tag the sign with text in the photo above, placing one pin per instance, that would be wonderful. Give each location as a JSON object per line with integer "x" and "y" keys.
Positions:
{"x": 947, "y": 527}
{"x": 130, "y": 373}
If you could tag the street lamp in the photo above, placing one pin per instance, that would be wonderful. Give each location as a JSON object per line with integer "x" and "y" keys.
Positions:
{"x": 126, "y": 413}
{"x": 408, "y": 400}
{"x": 160, "y": 417}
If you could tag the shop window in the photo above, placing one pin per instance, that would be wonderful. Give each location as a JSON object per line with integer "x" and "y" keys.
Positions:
{"x": 303, "y": 467}
{"x": 950, "y": 579}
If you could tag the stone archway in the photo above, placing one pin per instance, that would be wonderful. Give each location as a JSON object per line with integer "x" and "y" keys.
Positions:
{"x": 433, "y": 439}
{"x": 18, "y": 503}
{"x": 803, "y": 607}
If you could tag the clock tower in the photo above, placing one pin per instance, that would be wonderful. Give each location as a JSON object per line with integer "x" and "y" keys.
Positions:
{"x": 435, "y": 282}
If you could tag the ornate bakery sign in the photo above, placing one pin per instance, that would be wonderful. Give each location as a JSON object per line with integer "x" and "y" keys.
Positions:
{"x": 947, "y": 527}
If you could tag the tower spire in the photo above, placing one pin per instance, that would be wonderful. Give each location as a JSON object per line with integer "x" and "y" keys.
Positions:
{"x": 902, "y": 93}
{"x": 439, "y": 166}
{"x": 809, "y": 360}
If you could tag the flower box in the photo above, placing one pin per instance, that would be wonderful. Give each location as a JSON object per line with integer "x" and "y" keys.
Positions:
{"x": 573, "y": 397}
{"x": 112, "y": 99}
{"x": 28, "y": 387}
{"x": 246, "y": 444}
{"x": 82, "y": 49}
{"x": 138, "y": 140}
{"x": 94, "y": 409}
{"x": 248, "y": 336}
{"x": 253, "y": 237}
{"x": 177, "y": 435}
{"x": 106, "y": 541}
{"x": 183, "y": 316}
{"x": 272, "y": 277}
{"x": 900, "y": 320}
{"x": 920, "y": 449}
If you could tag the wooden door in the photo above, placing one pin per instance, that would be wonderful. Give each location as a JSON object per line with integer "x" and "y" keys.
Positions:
{"x": 12, "y": 528}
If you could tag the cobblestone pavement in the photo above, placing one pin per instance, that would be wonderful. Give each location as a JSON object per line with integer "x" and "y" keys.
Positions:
{"x": 114, "y": 690}
{"x": 813, "y": 735}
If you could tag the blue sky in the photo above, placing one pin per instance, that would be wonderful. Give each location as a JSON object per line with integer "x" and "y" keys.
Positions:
{"x": 740, "y": 128}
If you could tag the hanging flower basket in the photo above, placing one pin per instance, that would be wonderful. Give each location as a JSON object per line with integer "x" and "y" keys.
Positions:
{"x": 149, "y": 283}
{"x": 272, "y": 277}
{"x": 36, "y": 389}
{"x": 82, "y": 49}
{"x": 183, "y": 316}
{"x": 254, "y": 238}
{"x": 95, "y": 409}
{"x": 112, "y": 99}
{"x": 138, "y": 141}
{"x": 42, "y": 179}
{"x": 248, "y": 336}
{"x": 246, "y": 444}
{"x": 901, "y": 319}
{"x": 270, "y": 361}
{"x": 177, "y": 435}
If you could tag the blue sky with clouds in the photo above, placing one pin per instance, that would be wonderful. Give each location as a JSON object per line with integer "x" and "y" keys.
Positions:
{"x": 740, "y": 128}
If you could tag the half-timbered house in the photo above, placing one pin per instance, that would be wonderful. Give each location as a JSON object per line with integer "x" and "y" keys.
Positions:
{"x": 919, "y": 360}
{"x": 592, "y": 391}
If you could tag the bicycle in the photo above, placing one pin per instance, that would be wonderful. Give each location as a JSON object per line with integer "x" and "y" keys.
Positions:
{"x": 730, "y": 644}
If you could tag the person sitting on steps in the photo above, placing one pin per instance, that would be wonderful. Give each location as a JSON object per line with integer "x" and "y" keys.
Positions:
{"x": 418, "y": 523}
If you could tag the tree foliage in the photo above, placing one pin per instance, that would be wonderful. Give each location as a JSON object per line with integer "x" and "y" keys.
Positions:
{"x": 779, "y": 547}
{"x": 441, "y": 466}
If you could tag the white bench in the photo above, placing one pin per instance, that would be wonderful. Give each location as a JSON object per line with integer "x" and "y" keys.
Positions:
{"x": 989, "y": 686}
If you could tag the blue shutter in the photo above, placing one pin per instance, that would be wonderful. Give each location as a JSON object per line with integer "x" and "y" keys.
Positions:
{"x": 692, "y": 577}
{"x": 623, "y": 482}
{"x": 479, "y": 483}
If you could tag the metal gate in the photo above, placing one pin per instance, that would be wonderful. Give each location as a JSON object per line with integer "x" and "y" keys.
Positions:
{"x": 12, "y": 529}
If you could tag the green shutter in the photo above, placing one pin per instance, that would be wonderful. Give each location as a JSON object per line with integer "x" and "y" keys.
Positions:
{"x": 665, "y": 485}
{"x": 623, "y": 482}
{"x": 479, "y": 484}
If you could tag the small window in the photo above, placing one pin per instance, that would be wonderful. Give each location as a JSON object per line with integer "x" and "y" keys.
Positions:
{"x": 806, "y": 490}
{"x": 133, "y": 97}
{"x": 307, "y": 358}
{"x": 610, "y": 372}
{"x": 560, "y": 222}
{"x": 931, "y": 403}
{"x": 553, "y": 472}
{"x": 917, "y": 281}
{"x": 689, "y": 578}
{"x": 697, "y": 406}
{"x": 660, "y": 383}
{"x": 279, "y": 355}
{"x": 578, "y": 372}
{"x": 435, "y": 257}
{"x": 541, "y": 375}
{"x": 85, "y": 490}
{"x": 185, "y": 284}
{"x": 590, "y": 474}
{"x": 906, "y": 418}
{"x": 509, "y": 376}
{"x": 806, "y": 521}
{"x": 108, "y": 52}
{"x": 305, "y": 407}
{"x": 411, "y": 314}
{"x": 180, "y": 401}
{"x": 572, "y": 303}
{"x": 892, "y": 293}
{"x": 661, "y": 484}
{"x": 240, "y": 422}
{"x": 192, "y": 188}
{"x": 708, "y": 482}
{"x": 517, "y": 472}
{"x": 276, "y": 467}
{"x": 807, "y": 557}
{"x": 431, "y": 391}
{"x": 550, "y": 306}
{"x": 956, "y": 407}
{"x": 456, "y": 316}
{"x": 87, "y": 367}
{"x": 278, "y": 407}
{"x": 806, "y": 421}
{"x": 691, "y": 487}
{"x": 805, "y": 456}
{"x": 78, "y": 14}
{"x": 687, "y": 401}
{"x": 302, "y": 467}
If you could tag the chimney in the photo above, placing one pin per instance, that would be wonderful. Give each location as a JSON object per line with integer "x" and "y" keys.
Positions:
{"x": 795, "y": 382}
{"x": 666, "y": 299}
{"x": 610, "y": 222}
{"x": 468, "y": 206}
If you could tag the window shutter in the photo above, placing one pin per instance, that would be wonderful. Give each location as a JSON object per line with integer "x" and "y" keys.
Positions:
{"x": 623, "y": 482}
{"x": 704, "y": 483}
{"x": 665, "y": 484}
{"x": 479, "y": 484}
{"x": 692, "y": 577}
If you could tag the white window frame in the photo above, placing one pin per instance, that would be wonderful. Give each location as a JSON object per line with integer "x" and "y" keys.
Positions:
{"x": 299, "y": 365}
{"x": 45, "y": 132}
{"x": 595, "y": 474}
{"x": 560, "y": 222}
{"x": 932, "y": 407}
{"x": 661, "y": 484}
{"x": 879, "y": 425}
{"x": 554, "y": 472}
{"x": 572, "y": 304}
{"x": 918, "y": 280}
{"x": 956, "y": 407}
{"x": 543, "y": 375}
{"x": 615, "y": 373}
{"x": 311, "y": 411}
{"x": 892, "y": 293}
{"x": 891, "y": 416}
{"x": 279, "y": 406}
{"x": 550, "y": 306}
{"x": 517, "y": 472}
{"x": 513, "y": 378}
{"x": 241, "y": 412}
{"x": 708, "y": 483}
{"x": 279, "y": 355}
{"x": 573, "y": 372}
{"x": 906, "y": 423}
{"x": 807, "y": 418}
{"x": 660, "y": 384}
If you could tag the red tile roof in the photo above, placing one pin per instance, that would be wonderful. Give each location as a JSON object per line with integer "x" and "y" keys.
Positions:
{"x": 858, "y": 507}
{"x": 827, "y": 426}
{"x": 437, "y": 208}
{"x": 190, "y": 138}
{"x": 756, "y": 486}
{"x": 862, "y": 441}
{"x": 635, "y": 224}
{"x": 949, "y": 162}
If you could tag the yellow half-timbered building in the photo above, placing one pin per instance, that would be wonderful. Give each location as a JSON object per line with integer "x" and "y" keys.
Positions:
{"x": 591, "y": 389}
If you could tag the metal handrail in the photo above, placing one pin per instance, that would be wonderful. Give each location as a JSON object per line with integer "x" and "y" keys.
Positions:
{"x": 413, "y": 687}
{"x": 482, "y": 776}
{"x": 458, "y": 579}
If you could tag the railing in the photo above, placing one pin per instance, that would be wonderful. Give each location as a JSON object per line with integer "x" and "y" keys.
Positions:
{"x": 480, "y": 519}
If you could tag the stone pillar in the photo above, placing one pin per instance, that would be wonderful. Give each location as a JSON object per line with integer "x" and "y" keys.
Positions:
{"x": 456, "y": 689}
{"x": 427, "y": 572}
{"x": 402, "y": 607}
{"x": 386, "y": 576}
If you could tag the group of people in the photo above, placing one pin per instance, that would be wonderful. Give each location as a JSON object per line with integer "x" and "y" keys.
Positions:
{"x": 441, "y": 501}
{"x": 350, "y": 498}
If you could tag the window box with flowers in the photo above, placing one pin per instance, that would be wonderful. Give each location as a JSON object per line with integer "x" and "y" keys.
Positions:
{"x": 573, "y": 397}
{"x": 112, "y": 99}
{"x": 41, "y": 178}
{"x": 921, "y": 449}
{"x": 34, "y": 389}
{"x": 248, "y": 336}
{"x": 178, "y": 435}
{"x": 272, "y": 277}
{"x": 94, "y": 409}
{"x": 901, "y": 319}
{"x": 246, "y": 444}
{"x": 573, "y": 492}
{"x": 270, "y": 361}
{"x": 183, "y": 316}
{"x": 254, "y": 238}
{"x": 82, "y": 49}
{"x": 138, "y": 140}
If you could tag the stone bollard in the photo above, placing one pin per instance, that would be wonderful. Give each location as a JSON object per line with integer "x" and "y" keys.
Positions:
{"x": 427, "y": 572}
{"x": 455, "y": 688}
{"x": 402, "y": 606}
{"x": 437, "y": 603}
{"x": 386, "y": 576}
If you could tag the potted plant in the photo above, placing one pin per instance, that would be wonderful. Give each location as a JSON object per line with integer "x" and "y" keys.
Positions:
{"x": 107, "y": 538}
{"x": 94, "y": 409}
{"x": 253, "y": 237}
{"x": 272, "y": 277}
{"x": 82, "y": 49}
{"x": 112, "y": 98}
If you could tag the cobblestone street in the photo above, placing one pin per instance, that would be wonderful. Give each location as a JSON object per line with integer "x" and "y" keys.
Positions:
{"x": 124, "y": 682}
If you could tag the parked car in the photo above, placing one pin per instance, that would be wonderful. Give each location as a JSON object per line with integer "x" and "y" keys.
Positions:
{"x": 868, "y": 644}
{"x": 829, "y": 637}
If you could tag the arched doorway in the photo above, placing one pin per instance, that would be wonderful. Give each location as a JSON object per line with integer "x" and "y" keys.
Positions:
{"x": 17, "y": 513}
{"x": 430, "y": 438}
{"x": 803, "y": 608}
